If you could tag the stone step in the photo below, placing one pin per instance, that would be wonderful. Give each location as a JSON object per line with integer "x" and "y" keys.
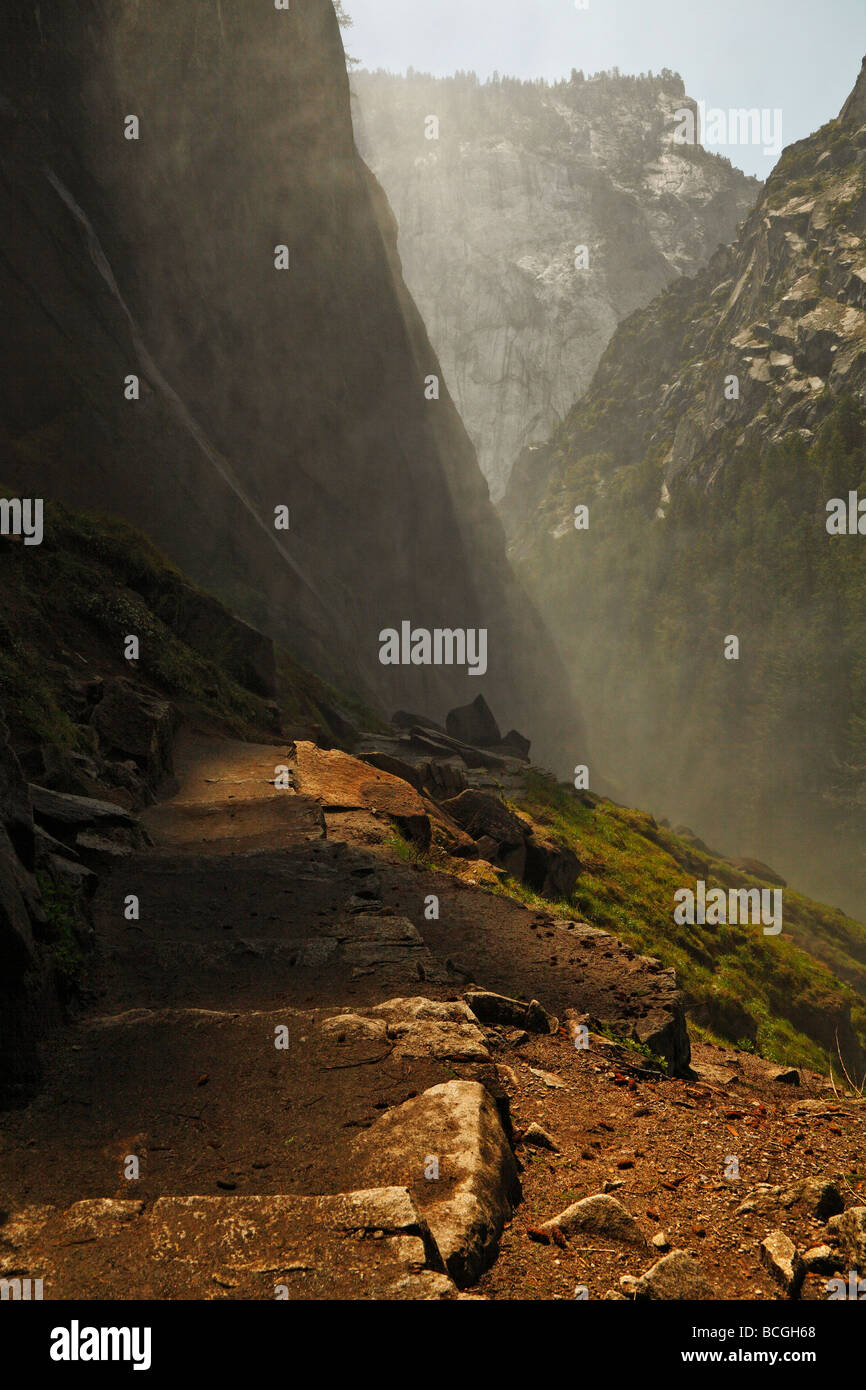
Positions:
{"x": 240, "y": 825}
{"x": 362, "y": 1244}
{"x": 211, "y": 1101}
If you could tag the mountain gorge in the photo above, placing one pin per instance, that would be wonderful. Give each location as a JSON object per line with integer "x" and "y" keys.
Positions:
{"x": 493, "y": 202}
{"x": 725, "y": 426}
{"x": 206, "y": 328}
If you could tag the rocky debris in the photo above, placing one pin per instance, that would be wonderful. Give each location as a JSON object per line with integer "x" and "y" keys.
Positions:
{"x": 598, "y": 1216}
{"x": 344, "y": 783}
{"x": 474, "y": 724}
{"x": 498, "y": 1008}
{"x": 512, "y": 843}
{"x": 99, "y": 829}
{"x": 715, "y": 1075}
{"x": 779, "y": 1255}
{"x": 27, "y": 993}
{"x": 133, "y": 725}
{"x": 385, "y": 762}
{"x": 425, "y": 1027}
{"x": 62, "y": 813}
{"x": 677, "y": 1276}
{"x": 442, "y": 746}
{"x": 660, "y": 1241}
{"x": 449, "y": 1148}
{"x": 404, "y": 720}
{"x": 537, "y": 1138}
{"x": 16, "y": 809}
{"x": 815, "y": 1197}
{"x": 848, "y": 1230}
{"x": 822, "y": 1259}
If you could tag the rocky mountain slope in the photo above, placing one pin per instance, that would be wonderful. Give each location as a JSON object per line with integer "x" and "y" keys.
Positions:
{"x": 164, "y": 366}
{"x": 86, "y": 729}
{"x": 723, "y": 433}
{"x": 491, "y": 213}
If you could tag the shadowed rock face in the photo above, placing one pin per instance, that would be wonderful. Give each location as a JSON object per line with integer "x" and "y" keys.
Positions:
{"x": 491, "y": 212}
{"x": 260, "y": 388}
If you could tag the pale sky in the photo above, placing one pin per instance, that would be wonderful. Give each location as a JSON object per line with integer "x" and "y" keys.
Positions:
{"x": 799, "y": 56}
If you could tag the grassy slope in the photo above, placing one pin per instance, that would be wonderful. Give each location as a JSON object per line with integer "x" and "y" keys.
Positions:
{"x": 631, "y": 870}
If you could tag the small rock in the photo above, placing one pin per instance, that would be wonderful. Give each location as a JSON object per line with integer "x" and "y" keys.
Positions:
{"x": 538, "y": 1138}
{"x": 601, "y": 1216}
{"x": 849, "y": 1228}
{"x": 660, "y": 1241}
{"x": 779, "y": 1255}
{"x": 549, "y": 1079}
{"x": 821, "y": 1259}
{"x": 677, "y": 1276}
{"x": 786, "y": 1076}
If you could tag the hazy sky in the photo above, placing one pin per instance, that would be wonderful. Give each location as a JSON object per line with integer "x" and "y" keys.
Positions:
{"x": 801, "y": 56}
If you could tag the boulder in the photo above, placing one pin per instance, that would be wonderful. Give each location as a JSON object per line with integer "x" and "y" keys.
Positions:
{"x": 552, "y": 867}
{"x": 133, "y": 725}
{"x": 449, "y": 1148}
{"x": 482, "y": 815}
{"x": 814, "y": 1197}
{"x": 817, "y": 1197}
{"x": 498, "y": 1008}
{"x": 822, "y": 1259}
{"x": 443, "y": 779}
{"x": 537, "y": 1138}
{"x": 344, "y": 783}
{"x": 474, "y": 724}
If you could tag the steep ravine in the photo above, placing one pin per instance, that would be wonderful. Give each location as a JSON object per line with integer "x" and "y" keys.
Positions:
{"x": 492, "y": 209}
{"x": 259, "y": 388}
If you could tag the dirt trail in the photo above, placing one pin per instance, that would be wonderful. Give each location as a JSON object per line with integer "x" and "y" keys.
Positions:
{"x": 263, "y": 910}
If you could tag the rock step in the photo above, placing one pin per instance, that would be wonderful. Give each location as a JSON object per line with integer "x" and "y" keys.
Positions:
{"x": 240, "y": 825}
{"x": 220, "y": 968}
{"x": 359, "y": 1244}
{"x": 256, "y": 1103}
